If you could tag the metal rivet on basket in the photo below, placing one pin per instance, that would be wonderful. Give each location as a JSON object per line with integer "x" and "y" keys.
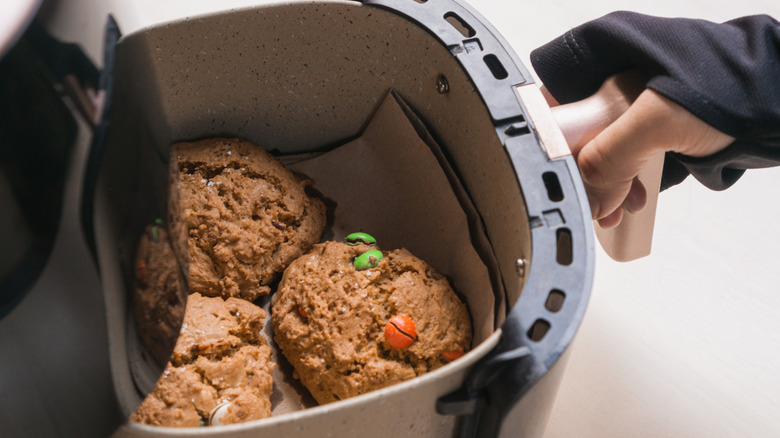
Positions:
{"x": 442, "y": 85}
{"x": 520, "y": 266}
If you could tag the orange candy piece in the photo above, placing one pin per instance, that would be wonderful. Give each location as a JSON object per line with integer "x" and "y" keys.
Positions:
{"x": 141, "y": 272}
{"x": 452, "y": 355}
{"x": 400, "y": 332}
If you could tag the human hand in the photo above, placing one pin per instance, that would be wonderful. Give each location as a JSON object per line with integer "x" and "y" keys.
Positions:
{"x": 610, "y": 162}
{"x": 724, "y": 73}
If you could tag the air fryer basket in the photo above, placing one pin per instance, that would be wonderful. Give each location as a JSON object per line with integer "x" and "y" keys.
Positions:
{"x": 305, "y": 76}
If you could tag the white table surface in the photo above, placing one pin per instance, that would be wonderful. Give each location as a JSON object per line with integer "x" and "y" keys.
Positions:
{"x": 683, "y": 343}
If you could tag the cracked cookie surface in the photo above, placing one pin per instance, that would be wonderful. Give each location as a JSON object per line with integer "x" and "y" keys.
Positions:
{"x": 237, "y": 216}
{"x": 220, "y": 357}
{"x": 330, "y": 320}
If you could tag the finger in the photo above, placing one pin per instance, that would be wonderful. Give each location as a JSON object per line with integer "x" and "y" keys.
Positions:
{"x": 607, "y": 180}
{"x": 551, "y": 101}
{"x": 610, "y": 162}
{"x": 620, "y": 150}
{"x": 635, "y": 201}
{"x": 604, "y": 201}
{"x": 612, "y": 220}
{"x": 637, "y": 197}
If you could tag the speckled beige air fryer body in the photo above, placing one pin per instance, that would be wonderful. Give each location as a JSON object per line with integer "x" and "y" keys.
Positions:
{"x": 296, "y": 78}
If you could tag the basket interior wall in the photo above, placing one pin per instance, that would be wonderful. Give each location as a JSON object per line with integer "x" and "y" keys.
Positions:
{"x": 295, "y": 78}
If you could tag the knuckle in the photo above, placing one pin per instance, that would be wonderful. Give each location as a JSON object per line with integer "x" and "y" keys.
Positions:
{"x": 592, "y": 164}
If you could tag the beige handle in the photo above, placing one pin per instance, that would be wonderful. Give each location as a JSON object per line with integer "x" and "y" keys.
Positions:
{"x": 580, "y": 122}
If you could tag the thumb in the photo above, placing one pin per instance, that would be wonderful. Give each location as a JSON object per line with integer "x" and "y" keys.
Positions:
{"x": 611, "y": 161}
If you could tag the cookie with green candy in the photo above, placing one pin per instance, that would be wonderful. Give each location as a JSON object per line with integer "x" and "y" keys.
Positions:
{"x": 351, "y": 318}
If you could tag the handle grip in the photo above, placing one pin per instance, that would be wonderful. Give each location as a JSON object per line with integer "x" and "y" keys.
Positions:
{"x": 582, "y": 121}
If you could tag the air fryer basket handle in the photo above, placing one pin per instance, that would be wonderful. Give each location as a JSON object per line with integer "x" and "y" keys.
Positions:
{"x": 580, "y": 122}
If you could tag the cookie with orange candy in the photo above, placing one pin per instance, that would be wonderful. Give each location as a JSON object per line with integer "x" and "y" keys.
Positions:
{"x": 352, "y": 319}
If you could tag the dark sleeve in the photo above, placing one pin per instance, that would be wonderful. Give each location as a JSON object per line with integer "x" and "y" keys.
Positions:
{"x": 726, "y": 74}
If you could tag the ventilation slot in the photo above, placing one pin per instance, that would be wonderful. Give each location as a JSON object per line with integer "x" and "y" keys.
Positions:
{"x": 538, "y": 330}
{"x": 420, "y": 1}
{"x": 553, "y": 186}
{"x": 516, "y": 129}
{"x": 495, "y": 66}
{"x": 555, "y": 300}
{"x": 459, "y": 25}
{"x": 564, "y": 252}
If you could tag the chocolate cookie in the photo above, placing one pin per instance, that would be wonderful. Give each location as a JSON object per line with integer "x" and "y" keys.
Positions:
{"x": 220, "y": 371}
{"x": 238, "y": 216}
{"x": 352, "y": 319}
{"x": 159, "y": 293}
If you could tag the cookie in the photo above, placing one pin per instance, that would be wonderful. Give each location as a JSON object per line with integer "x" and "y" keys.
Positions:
{"x": 238, "y": 216}
{"x": 220, "y": 370}
{"x": 159, "y": 293}
{"x": 352, "y": 319}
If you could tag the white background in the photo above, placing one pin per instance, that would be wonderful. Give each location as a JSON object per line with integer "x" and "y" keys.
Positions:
{"x": 683, "y": 343}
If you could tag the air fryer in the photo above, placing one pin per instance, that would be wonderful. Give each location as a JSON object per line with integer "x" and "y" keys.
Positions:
{"x": 308, "y": 75}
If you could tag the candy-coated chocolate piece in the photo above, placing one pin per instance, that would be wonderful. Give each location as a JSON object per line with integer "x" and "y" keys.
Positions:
{"x": 355, "y": 239}
{"x": 301, "y": 312}
{"x": 219, "y": 411}
{"x": 400, "y": 332}
{"x": 155, "y": 234}
{"x": 452, "y": 355}
{"x": 368, "y": 259}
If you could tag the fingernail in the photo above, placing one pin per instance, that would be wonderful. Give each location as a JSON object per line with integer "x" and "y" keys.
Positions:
{"x": 594, "y": 207}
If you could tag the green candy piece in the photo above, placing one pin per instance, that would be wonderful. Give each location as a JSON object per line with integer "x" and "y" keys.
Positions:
{"x": 368, "y": 259}
{"x": 155, "y": 235}
{"x": 355, "y": 239}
